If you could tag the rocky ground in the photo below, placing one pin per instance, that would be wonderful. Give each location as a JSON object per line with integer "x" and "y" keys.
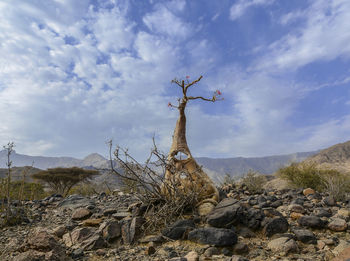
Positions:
{"x": 274, "y": 225}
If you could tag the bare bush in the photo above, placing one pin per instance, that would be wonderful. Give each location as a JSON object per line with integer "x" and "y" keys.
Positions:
{"x": 146, "y": 180}
{"x": 254, "y": 181}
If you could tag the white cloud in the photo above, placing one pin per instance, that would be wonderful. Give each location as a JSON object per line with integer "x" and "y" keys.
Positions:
{"x": 163, "y": 21}
{"x": 238, "y": 9}
{"x": 324, "y": 37}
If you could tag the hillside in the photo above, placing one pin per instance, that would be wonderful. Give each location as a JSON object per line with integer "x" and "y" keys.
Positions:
{"x": 17, "y": 173}
{"x": 42, "y": 162}
{"x": 218, "y": 168}
{"x": 337, "y": 156}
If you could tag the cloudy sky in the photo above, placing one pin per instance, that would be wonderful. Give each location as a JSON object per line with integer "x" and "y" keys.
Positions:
{"x": 74, "y": 74}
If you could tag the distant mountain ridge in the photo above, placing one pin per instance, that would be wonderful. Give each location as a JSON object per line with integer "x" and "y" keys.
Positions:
{"x": 216, "y": 168}
{"x": 41, "y": 162}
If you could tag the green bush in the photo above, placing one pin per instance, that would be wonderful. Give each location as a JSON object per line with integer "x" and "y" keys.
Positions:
{"x": 254, "y": 181}
{"x": 308, "y": 175}
{"x": 302, "y": 175}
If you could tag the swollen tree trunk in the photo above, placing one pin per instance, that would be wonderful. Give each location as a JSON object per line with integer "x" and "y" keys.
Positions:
{"x": 187, "y": 173}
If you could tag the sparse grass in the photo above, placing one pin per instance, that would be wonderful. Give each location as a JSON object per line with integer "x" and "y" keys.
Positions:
{"x": 308, "y": 175}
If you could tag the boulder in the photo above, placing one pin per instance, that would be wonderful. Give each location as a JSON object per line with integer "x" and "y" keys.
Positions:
{"x": 275, "y": 225}
{"x": 179, "y": 229}
{"x": 81, "y": 213}
{"x": 311, "y": 221}
{"x": 225, "y": 214}
{"x": 213, "y": 236}
{"x": 283, "y": 245}
{"x": 338, "y": 224}
{"x": 305, "y": 236}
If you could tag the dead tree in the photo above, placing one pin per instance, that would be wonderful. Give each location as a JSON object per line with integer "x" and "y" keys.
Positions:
{"x": 188, "y": 174}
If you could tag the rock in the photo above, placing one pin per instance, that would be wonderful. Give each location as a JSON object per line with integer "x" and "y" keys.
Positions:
{"x": 192, "y": 256}
{"x": 121, "y": 215}
{"x": 251, "y": 218}
{"x": 296, "y": 208}
{"x": 110, "y": 230}
{"x": 322, "y": 212}
{"x": 295, "y": 215}
{"x": 225, "y": 214}
{"x": 42, "y": 240}
{"x": 150, "y": 251}
{"x": 343, "y": 212}
{"x": 210, "y": 251}
{"x": 109, "y": 211}
{"x": 81, "y": 213}
{"x": 31, "y": 255}
{"x": 130, "y": 229}
{"x": 77, "y": 236}
{"x": 179, "y": 229}
{"x": 213, "y": 236}
{"x": 76, "y": 201}
{"x": 338, "y": 224}
{"x": 305, "y": 236}
{"x": 241, "y": 248}
{"x": 343, "y": 255}
{"x": 275, "y": 225}
{"x": 152, "y": 238}
{"x": 246, "y": 232}
{"x": 329, "y": 201}
{"x": 238, "y": 258}
{"x": 205, "y": 208}
{"x": 311, "y": 221}
{"x": 92, "y": 222}
{"x": 94, "y": 242}
{"x": 308, "y": 191}
{"x": 177, "y": 259}
{"x": 341, "y": 247}
{"x": 298, "y": 201}
{"x": 59, "y": 231}
{"x": 320, "y": 244}
{"x": 276, "y": 203}
{"x": 79, "y": 252}
{"x": 284, "y": 245}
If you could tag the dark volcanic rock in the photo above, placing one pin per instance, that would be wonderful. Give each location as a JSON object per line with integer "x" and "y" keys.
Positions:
{"x": 311, "y": 221}
{"x": 179, "y": 229}
{"x": 225, "y": 214}
{"x": 305, "y": 236}
{"x": 275, "y": 225}
{"x": 322, "y": 212}
{"x": 213, "y": 236}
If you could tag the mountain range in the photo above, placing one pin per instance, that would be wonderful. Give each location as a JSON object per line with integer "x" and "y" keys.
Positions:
{"x": 215, "y": 167}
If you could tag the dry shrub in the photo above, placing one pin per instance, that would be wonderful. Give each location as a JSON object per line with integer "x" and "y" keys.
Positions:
{"x": 146, "y": 181}
{"x": 254, "y": 181}
{"x": 308, "y": 175}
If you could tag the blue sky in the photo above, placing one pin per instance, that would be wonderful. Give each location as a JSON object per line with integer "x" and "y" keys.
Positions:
{"x": 74, "y": 74}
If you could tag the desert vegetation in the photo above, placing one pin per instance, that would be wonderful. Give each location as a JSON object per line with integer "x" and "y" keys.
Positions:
{"x": 308, "y": 175}
{"x": 170, "y": 185}
{"x": 62, "y": 180}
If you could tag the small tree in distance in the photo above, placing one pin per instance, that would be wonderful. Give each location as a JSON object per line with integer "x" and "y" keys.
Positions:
{"x": 61, "y": 180}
